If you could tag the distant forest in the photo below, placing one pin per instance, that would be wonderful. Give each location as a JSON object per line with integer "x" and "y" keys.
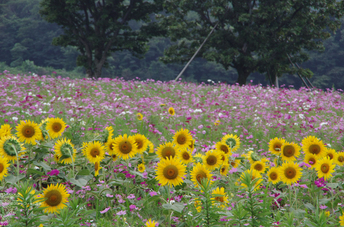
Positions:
{"x": 25, "y": 45}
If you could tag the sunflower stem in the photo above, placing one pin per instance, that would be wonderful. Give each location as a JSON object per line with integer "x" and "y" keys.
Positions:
{"x": 71, "y": 156}
{"x": 17, "y": 159}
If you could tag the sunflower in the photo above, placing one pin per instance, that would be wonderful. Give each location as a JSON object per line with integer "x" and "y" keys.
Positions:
{"x": 55, "y": 127}
{"x": 125, "y": 146}
{"x": 28, "y": 132}
{"x": 171, "y": 111}
{"x": 219, "y": 197}
{"x": 54, "y": 198}
{"x": 141, "y": 142}
{"x": 232, "y": 141}
{"x": 94, "y": 151}
{"x": 234, "y": 163}
{"x": 199, "y": 173}
{"x": 3, "y": 167}
{"x": 290, "y": 151}
{"x": 309, "y": 139}
{"x": 151, "y": 223}
{"x": 97, "y": 168}
{"x": 167, "y": 150}
{"x": 139, "y": 116}
{"x": 274, "y": 175}
{"x": 42, "y": 126}
{"x": 150, "y": 147}
{"x": 311, "y": 159}
{"x": 141, "y": 167}
{"x": 107, "y": 134}
{"x": 290, "y": 172}
{"x": 65, "y": 151}
{"x": 56, "y": 158}
{"x": 259, "y": 166}
{"x": 192, "y": 145}
{"x": 339, "y": 158}
{"x": 163, "y": 104}
{"x": 224, "y": 169}
{"x": 325, "y": 168}
{"x": 5, "y": 130}
{"x": 254, "y": 175}
{"x": 331, "y": 153}
{"x": 10, "y": 147}
{"x": 341, "y": 220}
{"x": 185, "y": 156}
{"x": 223, "y": 147}
{"x": 251, "y": 156}
{"x": 198, "y": 204}
{"x": 114, "y": 157}
{"x": 182, "y": 139}
{"x": 170, "y": 171}
{"x": 199, "y": 155}
{"x": 275, "y": 145}
{"x": 316, "y": 147}
{"x": 109, "y": 145}
{"x": 224, "y": 157}
{"x": 212, "y": 159}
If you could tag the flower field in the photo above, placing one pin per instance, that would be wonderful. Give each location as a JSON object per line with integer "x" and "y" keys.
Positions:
{"x": 149, "y": 153}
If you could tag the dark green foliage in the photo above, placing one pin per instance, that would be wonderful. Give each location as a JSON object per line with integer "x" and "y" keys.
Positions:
{"x": 250, "y": 35}
{"x": 98, "y": 28}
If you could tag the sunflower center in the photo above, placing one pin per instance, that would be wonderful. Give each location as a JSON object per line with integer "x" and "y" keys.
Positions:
{"x": 1, "y": 167}
{"x": 168, "y": 152}
{"x": 139, "y": 143}
{"x": 273, "y": 176}
{"x": 325, "y": 168}
{"x": 341, "y": 159}
{"x": 191, "y": 145}
{"x": 53, "y": 198}
{"x": 290, "y": 172}
{"x": 170, "y": 172}
{"x": 224, "y": 149}
{"x": 125, "y": 147}
{"x": 233, "y": 164}
{"x": 220, "y": 199}
{"x": 258, "y": 167}
{"x": 94, "y": 152}
{"x": 311, "y": 161}
{"x": 330, "y": 155}
{"x": 223, "y": 169}
{"x": 170, "y": 111}
{"x": 186, "y": 156}
{"x": 314, "y": 149}
{"x": 56, "y": 127}
{"x": 96, "y": 166}
{"x": 211, "y": 160}
{"x": 181, "y": 139}
{"x": 231, "y": 142}
{"x": 288, "y": 151}
{"x": 28, "y": 131}
{"x": 200, "y": 175}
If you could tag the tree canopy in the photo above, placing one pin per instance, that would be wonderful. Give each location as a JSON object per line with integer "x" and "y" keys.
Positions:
{"x": 250, "y": 35}
{"x": 98, "y": 28}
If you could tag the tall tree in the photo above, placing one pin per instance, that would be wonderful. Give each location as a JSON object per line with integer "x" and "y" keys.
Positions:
{"x": 98, "y": 28}
{"x": 250, "y": 35}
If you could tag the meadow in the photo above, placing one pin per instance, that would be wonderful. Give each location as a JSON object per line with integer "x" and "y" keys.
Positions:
{"x": 80, "y": 152}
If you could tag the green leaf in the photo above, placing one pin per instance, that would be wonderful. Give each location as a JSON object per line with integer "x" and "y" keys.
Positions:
{"x": 13, "y": 179}
{"x": 43, "y": 165}
{"x": 84, "y": 172}
{"x": 332, "y": 185}
{"x": 179, "y": 207}
{"x": 310, "y": 206}
{"x": 34, "y": 171}
{"x": 80, "y": 182}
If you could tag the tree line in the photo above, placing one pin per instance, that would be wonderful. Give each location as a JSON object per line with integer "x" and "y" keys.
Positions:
{"x": 251, "y": 40}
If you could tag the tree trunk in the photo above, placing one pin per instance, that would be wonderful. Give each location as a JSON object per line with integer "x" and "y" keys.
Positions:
{"x": 89, "y": 73}
{"x": 243, "y": 74}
